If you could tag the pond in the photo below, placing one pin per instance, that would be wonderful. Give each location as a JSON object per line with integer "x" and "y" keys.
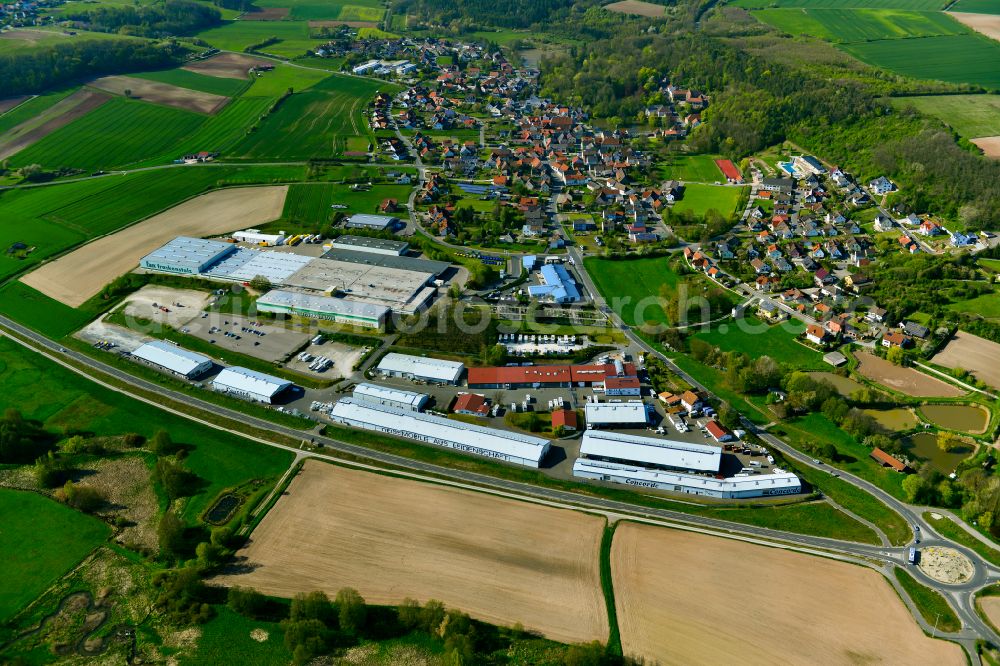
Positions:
{"x": 845, "y": 385}
{"x": 894, "y": 419}
{"x": 966, "y": 418}
{"x": 223, "y": 509}
{"x": 924, "y": 446}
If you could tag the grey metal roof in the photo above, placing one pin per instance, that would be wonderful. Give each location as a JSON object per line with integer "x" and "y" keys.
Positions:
{"x": 324, "y": 304}
{"x": 362, "y": 242}
{"x": 171, "y": 357}
{"x": 367, "y": 220}
{"x": 250, "y": 381}
{"x": 388, "y": 261}
{"x": 189, "y": 253}
{"x": 652, "y": 451}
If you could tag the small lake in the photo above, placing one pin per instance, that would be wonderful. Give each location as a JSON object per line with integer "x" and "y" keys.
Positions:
{"x": 893, "y": 419}
{"x": 923, "y": 445}
{"x": 845, "y": 385}
{"x": 966, "y": 418}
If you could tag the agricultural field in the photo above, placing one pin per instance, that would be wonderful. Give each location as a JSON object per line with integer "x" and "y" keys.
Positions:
{"x": 226, "y": 66}
{"x": 970, "y": 115}
{"x": 193, "y": 80}
{"x": 276, "y": 83}
{"x": 699, "y": 199}
{"x": 26, "y": 108}
{"x": 637, "y": 8}
{"x": 904, "y": 380}
{"x": 158, "y": 92}
{"x": 487, "y": 556}
{"x": 222, "y": 132}
{"x": 676, "y": 604}
{"x": 113, "y": 135}
{"x": 987, "y": 306}
{"x": 25, "y": 40}
{"x": 309, "y": 204}
{"x": 41, "y": 540}
{"x": 973, "y": 353}
{"x": 315, "y": 123}
{"x": 969, "y": 58}
{"x": 860, "y": 25}
{"x": 76, "y": 277}
{"x": 318, "y": 10}
{"x": 755, "y": 338}
{"x": 976, "y": 7}
{"x": 914, "y": 5}
{"x": 293, "y": 37}
{"x": 626, "y": 283}
{"x": 984, "y": 24}
{"x": 45, "y": 120}
{"x": 990, "y": 145}
{"x": 691, "y": 168}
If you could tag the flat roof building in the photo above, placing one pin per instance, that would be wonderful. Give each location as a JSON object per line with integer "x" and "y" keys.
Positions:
{"x": 372, "y": 245}
{"x": 737, "y": 487}
{"x": 492, "y": 443}
{"x": 376, "y": 222}
{"x": 256, "y": 237}
{"x": 410, "y": 401}
{"x": 651, "y": 452}
{"x": 250, "y": 384}
{"x": 172, "y": 358}
{"x": 186, "y": 255}
{"x": 616, "y": 414}
{"x": 536, "y": 376}
{"x": 402, "y": 263}
{"x": 340, "y": 310}
{"x": 557, "y": 285}
{"x": 433, "y": 370}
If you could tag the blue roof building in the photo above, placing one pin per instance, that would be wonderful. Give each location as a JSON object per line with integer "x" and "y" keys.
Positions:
{"x": 557, "y": 285}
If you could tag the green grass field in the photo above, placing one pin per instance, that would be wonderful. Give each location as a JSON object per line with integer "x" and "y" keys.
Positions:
{"x": 315, "y": 123}
{"x": 860, "y": 25}
{"x": 976, "y": 7}
{"x": 992, "y": 265}
{"x": 932, "y": 606}
{"x": 692, "y": 168}
{"x": 701, "y": 198}
{"x": 182, "y": 78}
{"x": 915, "y": 5}
{"x": 48, "y": 393}
{"x": 40, "y": 541}
{"x": 968, "y": 58}
{"x": 756, "y": 338}
{"x": 26, "y": 40}
{"x": 226, "y": 639}
{"x": 309, "y": 203}
{"x": 238, "y": 35}
{"x": 987, "y": 306}
{"x": 972, "y": 116}
{"x": 626, "y": 283}
{"x": 222, "y": 132}
{"x": 31, "y": 108}
{"x": 273, "y": 84}
{"x": 116, "y": 134}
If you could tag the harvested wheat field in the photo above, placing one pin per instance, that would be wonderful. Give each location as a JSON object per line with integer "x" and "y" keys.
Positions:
{"x": 990, "y": 145}
{"x": 637, "y": 8}
{"x": 226, "y": 66}
{"x": 985, "y": 24}
{"x": 970, "y": 352}
{"x": 684, "y": 598}
{"x": 991, "y": 606}
{"x": 499, "y": 560}
{"x": 74, "y": 278}
{"x": 904, "y": 380}
{"x": 60, "y": 114}
{"x": 163, "y": 94}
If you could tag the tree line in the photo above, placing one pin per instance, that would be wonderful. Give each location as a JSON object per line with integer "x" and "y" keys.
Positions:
{"x": 173, "y": 17}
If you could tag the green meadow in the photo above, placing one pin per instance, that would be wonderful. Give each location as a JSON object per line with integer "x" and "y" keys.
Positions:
{"x": 972, "y": 116}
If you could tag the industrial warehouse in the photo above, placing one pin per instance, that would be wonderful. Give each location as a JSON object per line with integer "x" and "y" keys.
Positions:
{"x": 390, "y": 397}
{"x": 488, "y": 442}
{"x": 250, "y": 385}
{"x": 430, "y": 370}
{"x": 404, "y": 285}
{"x": 669, "y": 465}
{"x": 549, "y": 376}
{"x": 171, "y": 358}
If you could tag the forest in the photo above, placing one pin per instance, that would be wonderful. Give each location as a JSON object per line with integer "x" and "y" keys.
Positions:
{"x": 174, "y": 17}
{"x": 504, "y": 13}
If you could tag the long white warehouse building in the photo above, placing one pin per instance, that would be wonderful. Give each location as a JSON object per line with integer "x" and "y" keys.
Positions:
{"x": 410, "y": 401}
{"x": 753, "y": 485}
{"x": 650, "y": 451}
{"x": 250, "y": 384}
{"x": 502, "y": 445}
{"x": 434, "y": 370}
{"x": 632, "y": 414}
{"x": 172, "y": 358}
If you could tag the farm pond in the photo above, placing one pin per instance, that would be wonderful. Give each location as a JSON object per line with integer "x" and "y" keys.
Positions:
{"x": 924, "y": 446}
{"x": 845, "y": 385}
{"x": 966, "y": 418}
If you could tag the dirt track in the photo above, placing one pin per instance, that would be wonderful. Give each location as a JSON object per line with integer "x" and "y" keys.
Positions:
{"x": 990, "y": 145}
{"x": 60, "y": 114}
{"x": 985, "y": 24}
{"x": 163, "y": 94}
{"x": 973, "y": 353}
{"x": 685, "y": 598}
{"x": 225, "y": 66}
{"x": 500, "y": 560}
{"x": 74, "y": 278}
{"x": 904, "y": 380}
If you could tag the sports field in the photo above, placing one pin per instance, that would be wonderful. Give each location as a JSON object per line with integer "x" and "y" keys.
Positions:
{"x": 158, "y": 92}
{"x": 973, "y": 353}
{"x": 44, "y": 121}
{"x": 686, "y": 598}
{"x": 76, "y": 277}
{"x": 969, "y": 58}
{"x": 40, "y": 540}
{"x": 860, "y": 25}
{"x": 500, "y": 560}
{"x": 904, "y": 380}
{"x": 700, "y": 198}
{"x": 970, "y": 115}
{"x": 691, "y": 168}
{"x": 632, "y": 286}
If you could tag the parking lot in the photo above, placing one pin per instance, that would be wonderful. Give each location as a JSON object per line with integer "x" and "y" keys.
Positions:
{"x": 342, "y": 359}
{"x": 247, "y": 336}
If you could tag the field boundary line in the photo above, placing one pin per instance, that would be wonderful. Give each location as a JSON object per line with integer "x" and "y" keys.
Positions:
{"x": 956, "y": 381}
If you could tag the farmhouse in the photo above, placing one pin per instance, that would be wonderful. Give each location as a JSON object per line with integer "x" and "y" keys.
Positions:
{"x": 372, "y": 222}
{"x": 391, "y": 397}
{"x": 479, "y": 440}
{"x": 340, "y": 310}
{"x": 173, "y": 359}
{"x": 886, "y": 460}
{"x": 250, "y": 384}
{"x": 431, "y": 370}
{"x": 633, "y": 414}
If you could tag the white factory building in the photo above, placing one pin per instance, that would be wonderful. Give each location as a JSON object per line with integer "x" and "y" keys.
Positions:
{"x": 186, "y": 255}
{"x": 431, "y": 370}
{"x": 651, "y": 451}
{"x": 491, "y": 443}
{"x": 632, "y": 414}
{"x": 250, "y": 384}
{"x": 374, "y": 222}
{"x": 737, "y": 487}
{"x": 392, "y": 248}
{"x": 171, "y": 358}
{"x": 337, "y": 309}
{"x": 385, "y": 396}
{"x": 257, "y": 237}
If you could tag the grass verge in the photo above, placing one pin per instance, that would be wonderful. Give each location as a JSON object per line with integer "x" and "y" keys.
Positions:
{"x": 947, "y": 528}
{"x": 932, "y": 606}
{"x": 614, "y": 646}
